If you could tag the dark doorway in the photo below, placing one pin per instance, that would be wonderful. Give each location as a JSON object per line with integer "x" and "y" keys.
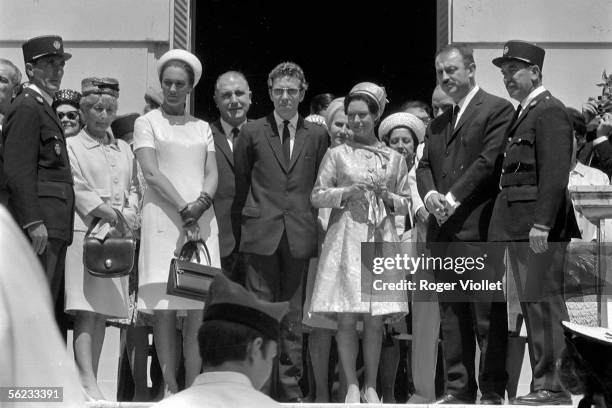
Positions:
{"x": 336, "y": 43}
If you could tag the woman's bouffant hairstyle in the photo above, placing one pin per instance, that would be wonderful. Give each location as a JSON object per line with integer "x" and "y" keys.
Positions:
{"x": 372, "y": 105}
{"x": 179, "y": 64}
{"x": 87, "y": 102}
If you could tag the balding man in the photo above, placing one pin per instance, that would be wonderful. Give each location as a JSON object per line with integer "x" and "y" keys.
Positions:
{"x": 233, "y": 99}
{"x": 10, "y": 78}
{"x": 440, "y": 101}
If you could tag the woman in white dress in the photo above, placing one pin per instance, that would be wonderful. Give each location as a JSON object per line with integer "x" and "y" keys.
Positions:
{"x": 102, "y": 171}
{"x": 176, "y": 154}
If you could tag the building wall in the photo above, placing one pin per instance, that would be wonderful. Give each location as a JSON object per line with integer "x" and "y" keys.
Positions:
{"x": 576, "y": 34}
{"x": 116, "y": 38}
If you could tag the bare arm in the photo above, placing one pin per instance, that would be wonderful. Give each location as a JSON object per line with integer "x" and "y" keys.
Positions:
{"x": 157, "y": 180}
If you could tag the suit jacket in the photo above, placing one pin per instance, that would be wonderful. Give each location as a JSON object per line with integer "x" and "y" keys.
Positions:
{"x": 598, "y": 156}
{"x": 229, "y": 234}
{"x": 535, "y": 173}
{"x": 273, "y": 197}
{"x": 36, "y": 166}
{"x": 465, "y": 161}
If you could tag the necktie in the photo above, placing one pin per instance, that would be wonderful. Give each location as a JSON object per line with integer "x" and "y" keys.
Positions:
{"x": 286, "y": 143}
{"x": 456, "y": 110}
{"x": 517, "y": 113}
{"x": 235, "y": 132}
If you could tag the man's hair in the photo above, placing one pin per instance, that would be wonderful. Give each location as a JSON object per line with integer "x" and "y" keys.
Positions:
{"x": 466, "y": 52}
{"x": 221, "y": 341}
{"x": 578, "y": 122}
{"x": 288, "y": 69}
{"x": 416, "y": 104}
{"x": 230, "y": 74}
{"x": 15, "y": 78}
{"x": 320, "y": 102}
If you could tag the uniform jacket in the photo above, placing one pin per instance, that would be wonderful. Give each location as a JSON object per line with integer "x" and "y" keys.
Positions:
{"x": 273, "y": 197}
{"x": 229, "y": 234}
{"x": 36, "y": 166}
{"x": 535, "y": 173}
{"x": 465, "y": 161}
{"x": 219, "y": 389}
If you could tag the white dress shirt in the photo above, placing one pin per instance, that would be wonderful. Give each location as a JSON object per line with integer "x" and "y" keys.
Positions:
{"x": 292, "y": 129}
{"x": 227, "y": 129}
{"x": 219, "y": 389}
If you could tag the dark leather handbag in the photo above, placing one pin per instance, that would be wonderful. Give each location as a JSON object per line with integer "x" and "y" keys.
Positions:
{"x": 190, "y": 279}
{"x": 112, "y": 255}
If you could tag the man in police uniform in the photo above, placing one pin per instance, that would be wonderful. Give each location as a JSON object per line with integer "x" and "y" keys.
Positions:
{"x": 532, "y": 212}
{"x": 36, "y": 163}
{"x": 238, "y": 343}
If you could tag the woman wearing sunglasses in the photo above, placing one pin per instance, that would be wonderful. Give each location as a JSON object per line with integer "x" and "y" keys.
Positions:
{"x": 66, "y": 105}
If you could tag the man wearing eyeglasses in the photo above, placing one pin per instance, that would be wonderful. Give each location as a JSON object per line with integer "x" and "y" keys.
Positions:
{"x": 533, "y": 213}
{"x": 36, "y": 163}
{"x": 276, "y": 160}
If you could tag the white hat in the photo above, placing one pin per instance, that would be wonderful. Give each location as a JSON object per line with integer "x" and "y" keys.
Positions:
{"x": 185, "y": 56}
{"x": 402, "y": 119}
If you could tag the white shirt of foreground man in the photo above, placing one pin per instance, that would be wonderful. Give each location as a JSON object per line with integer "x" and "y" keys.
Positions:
{"x": 238, "y": 342}
{"x": 32, "y": 352}
{"x": 220, "y": 389}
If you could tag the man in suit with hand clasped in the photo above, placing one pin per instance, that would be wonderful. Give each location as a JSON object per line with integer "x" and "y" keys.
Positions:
{"x": 457, "y": 178}
{"x": 276, "y": 160}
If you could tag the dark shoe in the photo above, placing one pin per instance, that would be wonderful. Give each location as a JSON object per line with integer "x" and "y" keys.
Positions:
{"x": 491, "y": 398}
{"x": 544, "y": 397}
{"x": 451, "y": 399}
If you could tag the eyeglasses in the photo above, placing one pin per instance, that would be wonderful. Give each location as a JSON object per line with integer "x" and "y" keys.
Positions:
{"x": 71, "y": 115}
{"x": 292, "y": 92}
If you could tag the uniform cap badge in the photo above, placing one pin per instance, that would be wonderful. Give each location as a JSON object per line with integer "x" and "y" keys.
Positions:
{"x": 57, "y": 44}
{"x": 39, "y": 99}
{"x": 58, "y": 149}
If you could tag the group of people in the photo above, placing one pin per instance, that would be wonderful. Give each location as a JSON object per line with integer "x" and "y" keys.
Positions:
{"x": 283, "y": 205}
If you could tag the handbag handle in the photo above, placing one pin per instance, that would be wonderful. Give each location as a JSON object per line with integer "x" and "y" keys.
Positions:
{"x": 190, "y": 248}
{"x": 122, "y": 225}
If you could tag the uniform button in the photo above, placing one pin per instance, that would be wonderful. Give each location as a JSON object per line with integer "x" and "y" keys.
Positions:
{"x": 116, "y": 196}
{"x": 519, "y": 139}
{"x": 509, "y": 139}
{"x": 113, "y": 164}
{"x": 503, "y": 171}
{"x": 446, "y": 153}
{"x": 443, "y": 174}
{"x": 505, "y": 154}
{"x": 115, "y": 180}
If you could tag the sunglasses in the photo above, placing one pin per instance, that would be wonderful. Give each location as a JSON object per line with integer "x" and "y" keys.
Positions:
{"x": 72, "y": 115}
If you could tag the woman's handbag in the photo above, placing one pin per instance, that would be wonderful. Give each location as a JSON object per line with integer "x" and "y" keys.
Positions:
{"x": 113, "y": 254}
{"x": 191, "y": 279}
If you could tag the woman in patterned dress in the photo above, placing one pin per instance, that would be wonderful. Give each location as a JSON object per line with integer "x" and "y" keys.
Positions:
{"x": 366, "y": 184}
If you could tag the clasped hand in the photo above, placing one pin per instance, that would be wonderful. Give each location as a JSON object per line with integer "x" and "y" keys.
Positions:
{"x": 191, "y": 213}
{"x": 359, "y": 188}
{"x": 439, "y": 206}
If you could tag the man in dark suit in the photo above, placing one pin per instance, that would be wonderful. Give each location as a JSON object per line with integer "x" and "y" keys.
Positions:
{"x": 533, "y": 213}
{"x": 276, "y": 160}
{"x": 457, "y": 179}
{"x": 36, "y": 163}
{"x": 233, "y": 99}
{"x": 10, "y": 79}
